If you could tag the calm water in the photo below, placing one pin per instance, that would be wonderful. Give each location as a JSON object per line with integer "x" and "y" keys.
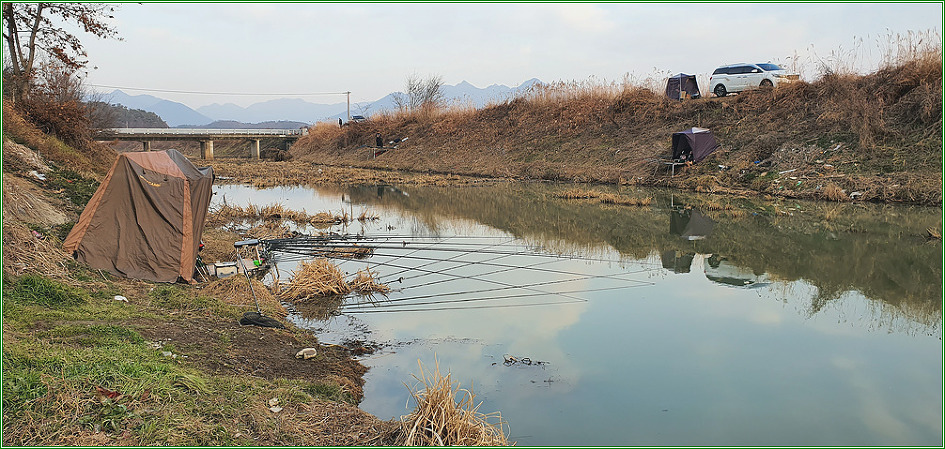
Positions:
{"x": 691, "y": 321}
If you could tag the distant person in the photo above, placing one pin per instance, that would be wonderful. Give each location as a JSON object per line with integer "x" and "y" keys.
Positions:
{"x": 340, "y": 123}
{"x": 378, "y": 141}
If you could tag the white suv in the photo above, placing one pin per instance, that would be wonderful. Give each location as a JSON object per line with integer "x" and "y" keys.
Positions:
{"x": 739, "y": 77}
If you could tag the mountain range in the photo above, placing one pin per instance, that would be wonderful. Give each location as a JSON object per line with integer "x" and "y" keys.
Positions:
{"x": 298, "y": 110}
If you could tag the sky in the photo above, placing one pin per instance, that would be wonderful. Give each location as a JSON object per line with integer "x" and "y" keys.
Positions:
{"x": 263, "y": 51}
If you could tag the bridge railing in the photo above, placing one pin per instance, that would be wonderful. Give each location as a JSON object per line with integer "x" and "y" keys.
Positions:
{"x": 206, "y": 132}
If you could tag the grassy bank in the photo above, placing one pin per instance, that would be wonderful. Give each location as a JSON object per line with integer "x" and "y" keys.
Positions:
{"x": 93, "y": 359}
{"x": 81, "y": 368}
{"x": 871, "y": 138}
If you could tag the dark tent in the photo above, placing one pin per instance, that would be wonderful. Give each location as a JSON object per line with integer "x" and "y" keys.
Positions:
{"x": 693, "y": 144}
{"x": 146, "y": 219}
{"x": 678, "y": 84}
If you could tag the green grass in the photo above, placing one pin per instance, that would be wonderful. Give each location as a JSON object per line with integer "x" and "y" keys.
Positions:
{"x": 38, "y": 290}
{"x": 174, "y": 297}
{"x": 53, "y": 372}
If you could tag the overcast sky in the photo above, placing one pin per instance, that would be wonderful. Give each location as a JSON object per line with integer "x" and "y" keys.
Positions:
{"x": 295, "y": 49}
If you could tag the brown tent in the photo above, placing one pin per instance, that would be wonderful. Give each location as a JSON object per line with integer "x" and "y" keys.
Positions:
{"x": 146, "y": 219}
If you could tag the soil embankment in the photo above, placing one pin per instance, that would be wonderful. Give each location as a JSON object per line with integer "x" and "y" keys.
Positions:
{"x": 843, "y": 137}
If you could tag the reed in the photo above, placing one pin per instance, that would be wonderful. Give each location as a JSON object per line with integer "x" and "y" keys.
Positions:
{"x": 320, "y": 278}
{"x": 833, "y": 192}
{"x": 447, "y": 416}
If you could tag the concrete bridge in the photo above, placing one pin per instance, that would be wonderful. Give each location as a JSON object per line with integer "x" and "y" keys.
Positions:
{"x": 204, "y": 136}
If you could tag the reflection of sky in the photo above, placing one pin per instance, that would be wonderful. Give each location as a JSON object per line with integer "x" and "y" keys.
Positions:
{"x": 682, "y": 361}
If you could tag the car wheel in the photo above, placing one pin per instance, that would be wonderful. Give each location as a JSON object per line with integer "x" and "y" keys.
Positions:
{"x": 720, "y": 91}
{"x": 766, "y": 84}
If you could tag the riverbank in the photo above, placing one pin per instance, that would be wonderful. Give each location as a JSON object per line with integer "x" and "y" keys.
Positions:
{"x": 840, "y": 138}
{"x": 94, "y": 359}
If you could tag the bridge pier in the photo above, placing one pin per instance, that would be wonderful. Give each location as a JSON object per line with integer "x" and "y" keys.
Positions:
{"x": 254, "y": 149}
{"x": 206, "y": 149}
{"x": 146, "y": 144}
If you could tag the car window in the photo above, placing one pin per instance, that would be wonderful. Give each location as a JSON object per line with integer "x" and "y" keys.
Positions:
{"x": 720, "y": 71}
{"x": 740, "y": 70}
{"x": 769, "y": 67}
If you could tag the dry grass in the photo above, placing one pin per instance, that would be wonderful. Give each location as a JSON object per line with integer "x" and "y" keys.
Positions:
{"x": 833, "y": 192}
{"x": 625, "y": 201}
{"x": 25, "y": 253}
{"x": 272, "y": 212}
{"x": 320, "y": 278}
{"x": 447, "y": 416}
{"x": 365, "y": 284}
{"x": 604, "y": 198}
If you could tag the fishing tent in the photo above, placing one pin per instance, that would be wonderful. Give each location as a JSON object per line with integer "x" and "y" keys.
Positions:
{"x": 146, "y": 218}
{"x": 693, "y": 144}
{"x": 680, "y": 83}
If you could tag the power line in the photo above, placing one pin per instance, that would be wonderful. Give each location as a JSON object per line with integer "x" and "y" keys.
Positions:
{"x": 217, "y": 93}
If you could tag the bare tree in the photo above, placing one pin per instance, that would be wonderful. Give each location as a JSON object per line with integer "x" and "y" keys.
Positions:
{"x": 421, "y": 94}
{"x": 29, "y": 30}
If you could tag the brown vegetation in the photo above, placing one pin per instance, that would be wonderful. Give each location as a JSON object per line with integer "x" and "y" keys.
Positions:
{"x": 447, "y": 416}
{"x": 878, "y": 134}
{"x": 604, "y": 198}
{"x": 320, "y": 278}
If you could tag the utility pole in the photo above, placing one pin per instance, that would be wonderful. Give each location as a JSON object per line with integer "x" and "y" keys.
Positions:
{"x": 349, "y": 104}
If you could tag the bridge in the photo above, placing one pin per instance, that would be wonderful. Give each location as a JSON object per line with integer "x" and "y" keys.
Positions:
{"x": 204, "y": 136}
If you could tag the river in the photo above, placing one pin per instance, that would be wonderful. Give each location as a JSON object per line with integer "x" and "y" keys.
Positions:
{"x": 691, "y": 321}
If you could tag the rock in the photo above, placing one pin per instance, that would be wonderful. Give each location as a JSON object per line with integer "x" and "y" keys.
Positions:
{"x": 306, "y": 353}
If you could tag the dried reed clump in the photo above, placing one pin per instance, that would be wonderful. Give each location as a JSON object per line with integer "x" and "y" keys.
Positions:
{"x": 320, "y": 278}
{"x": 226, "y": 213}
{"x": 624, "y": 201}
{"x": 833, "y": 192}
{"x": 577, "y": 194}
{"x": 314, "y": 279}
{"x": 604, "y": 198}
{"x": 365, "y": 284}
{"x": 442, "y": 420}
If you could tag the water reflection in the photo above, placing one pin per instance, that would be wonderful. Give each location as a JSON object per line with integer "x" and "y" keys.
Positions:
{"x": 690, "y": 223}
{"x": 784, "y": 324}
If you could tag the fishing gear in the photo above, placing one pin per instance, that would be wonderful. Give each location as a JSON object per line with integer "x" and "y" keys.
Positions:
{"x": 253, "y": 318}
{"x": 489, "y": 267}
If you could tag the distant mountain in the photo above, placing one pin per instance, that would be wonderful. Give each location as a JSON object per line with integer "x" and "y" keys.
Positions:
{"x": 296, "y": 110}
{"x": 233, "y": 124}
{"x": 461, "y": 94}
{"x": 174, "y": 113}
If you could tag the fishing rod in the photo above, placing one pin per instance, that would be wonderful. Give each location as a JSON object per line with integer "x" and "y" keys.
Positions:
{"x": 445, "y": 260}
{"x": 391, "y": 308}
{"x": 431, "y": 309}
{"x": 455, "y": 276}
{"x": 329, "y": 254}
{"x": 389, "y": 302}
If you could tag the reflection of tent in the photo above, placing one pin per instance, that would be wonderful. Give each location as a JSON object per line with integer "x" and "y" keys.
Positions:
{"x": 693, "y": 144}
{"x": 690, "y": 224}
{"x": 678, "y": 84}
{"x": 146, "y": 219}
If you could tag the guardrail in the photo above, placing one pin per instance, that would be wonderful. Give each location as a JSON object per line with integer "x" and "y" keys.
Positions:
{"x": 205, "y": 132}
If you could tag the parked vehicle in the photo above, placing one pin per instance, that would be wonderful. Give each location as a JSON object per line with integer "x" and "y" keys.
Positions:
{"x": 740, "y": 77}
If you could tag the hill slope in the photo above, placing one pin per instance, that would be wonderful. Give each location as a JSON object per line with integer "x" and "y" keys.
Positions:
{"x": 876, "y": 137}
